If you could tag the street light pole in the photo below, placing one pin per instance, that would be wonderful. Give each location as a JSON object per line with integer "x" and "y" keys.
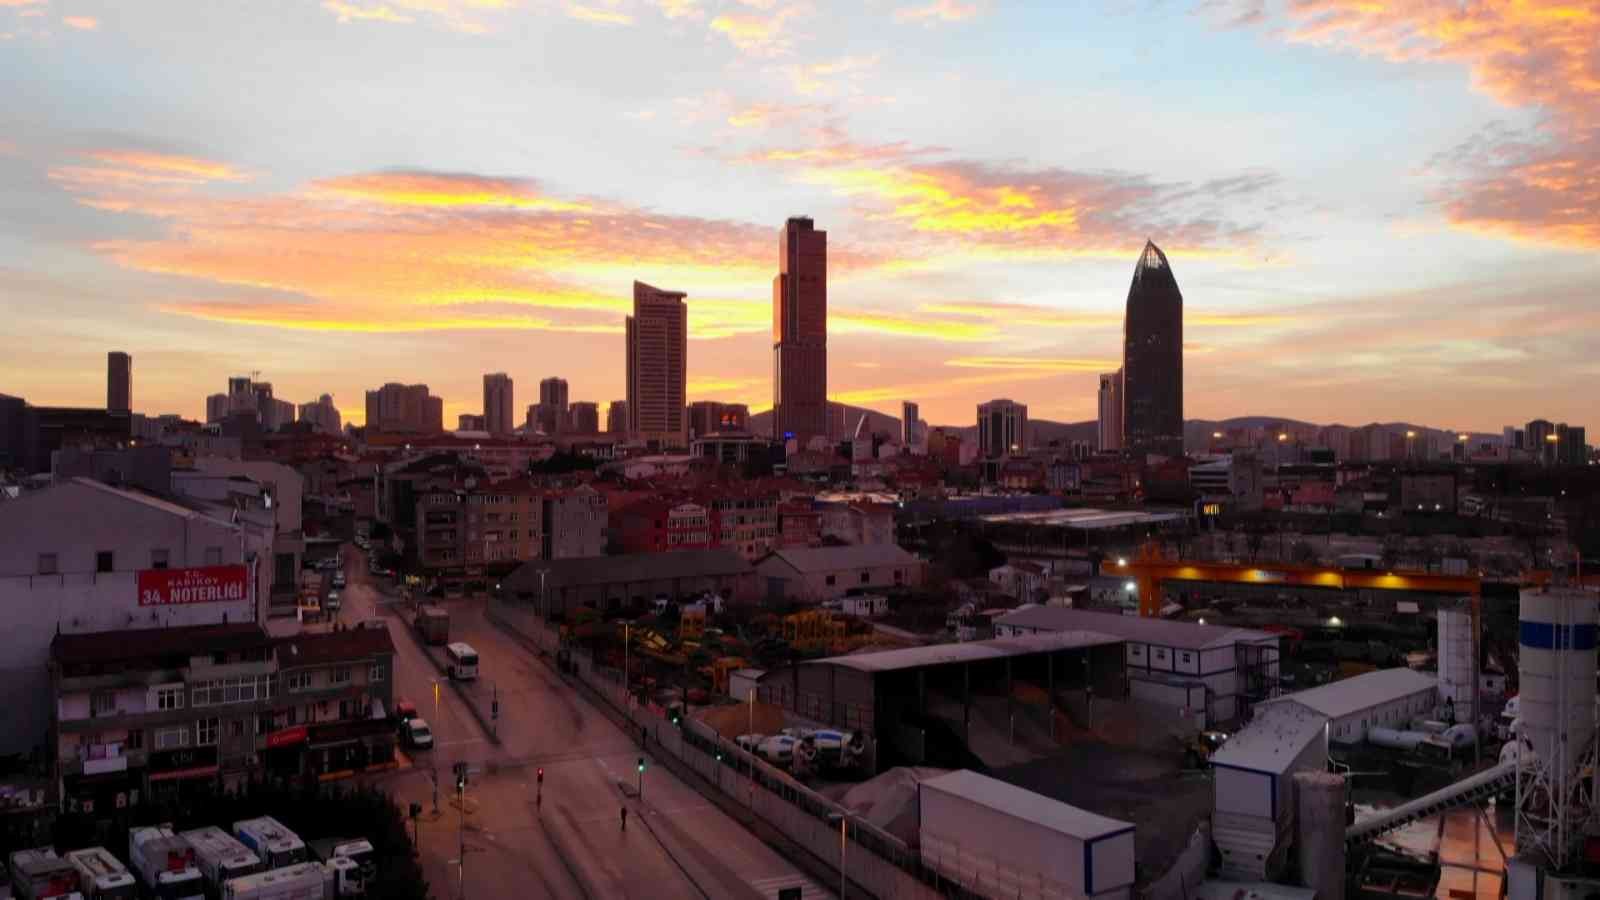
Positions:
{"x": 752, "y": 748}
{"x": 844, "y": 821}
{"x": 626, "y": 640}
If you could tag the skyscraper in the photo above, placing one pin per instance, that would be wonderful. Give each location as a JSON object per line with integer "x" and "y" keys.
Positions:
{"x": 583, "y": 417}
{"x": 119, "y": 382}
{"x": 908, "y": 423}
{"x": 658, "y": 366}
{"x": 553, "y": 393}
{"x": 498, "y": 390}
{"x": 1002, "y": 428}
{"x": 617, "y": 418}
{"x": 404, "y": 408}
{"x": 1111, "y": 411}
{"x": 1152, "y": 359}
{"x": 800, "y": 333}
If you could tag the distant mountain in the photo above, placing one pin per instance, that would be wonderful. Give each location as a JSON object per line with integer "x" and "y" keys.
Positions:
{"x": 877, "y": 422}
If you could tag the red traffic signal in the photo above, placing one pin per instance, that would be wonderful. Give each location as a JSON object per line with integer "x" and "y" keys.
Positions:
{"x": 541, "y": 774}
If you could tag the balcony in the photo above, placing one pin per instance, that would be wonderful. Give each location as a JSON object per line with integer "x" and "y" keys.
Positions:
{"x": 101, "y": 759}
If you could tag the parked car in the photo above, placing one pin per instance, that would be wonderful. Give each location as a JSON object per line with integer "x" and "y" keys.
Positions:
{"x": 415, "y": 733}
{"x": 404, "y": 710}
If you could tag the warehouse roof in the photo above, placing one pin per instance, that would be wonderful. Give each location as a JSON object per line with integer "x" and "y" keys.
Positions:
{"x": 1274, "y": 738}
{"x": 627, "y": 567}
{"x": 1349, "y": 695}
{"x": 1166, "y": 632}
{"x": 971, "y": 651}
{"x": 1024, "y": 804}
{"x": 854, "y": 556}
{"x": 1082, "y": 519}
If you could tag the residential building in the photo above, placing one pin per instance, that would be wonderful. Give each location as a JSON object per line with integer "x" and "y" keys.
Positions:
{"x": 1152, "y": 359}
{"x": 584, "y": 417}
{"x": 910, "y": 424}
{"x": 745, "y": 522}
{"x": 707, "y": 417}
{"x": 857, "y": 522}
{"x": 557, "y": 587}
{"x": 657, "y": 367}
{"x": 574, "y": 524}
{"x": 81, "y": 556}
{"x": 322, "y": 415}
{"x": 404, "y": 408}
{"x": 656, "y": 526}
{"x": 799, "y": 524}
{"x": 617, "y": 418}
{"x": 279, "y": 492}
{"x": 216, "y": 407}
{"x": 1110, "y": 431}
{"x": 800, "y": 333}
{"x": 1002, "y": 428}
{"x": 553, "y": 394}
{"x": 815, "y": 574}
{"x": 463, "y": 527}
{"x": 471, "y": 422}
{"x": 119, "y": 382}
{"x": 498, "y": 403}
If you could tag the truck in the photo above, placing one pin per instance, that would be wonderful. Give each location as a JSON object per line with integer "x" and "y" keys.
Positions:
{"x": 102, "y": 876}
{"x": 220, "y": 857}
{"x": 40, "y": 873}
{"x": 357, "y": 851}
{"x": 433, "y": 623}
{"x": 164, "y": 864}
{"x": 302, "y": 881}
{"x": 277, "y": 846}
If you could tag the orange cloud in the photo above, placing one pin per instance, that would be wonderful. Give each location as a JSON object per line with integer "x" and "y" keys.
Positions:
{"x": 1032, "y": 364}
{"x": 815, "y": 78}
{"x": 185, "y": 168}
{"x": 844, "y": 321}
{"x": 598, "y": 16}
{"x": 435, "y": 189}
{"x": 937, "y": 11}
{"x": 1526, "y": 54}
{"x": 679, "y": 9}
{"x": 460, "y": 15}
{"x": 755, "y": 34}
{"x": 82, "y": 23}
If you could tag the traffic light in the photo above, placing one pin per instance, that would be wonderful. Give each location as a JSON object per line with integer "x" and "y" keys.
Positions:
{"x": 641, "y": 765}
{"x": 541, "y": 774}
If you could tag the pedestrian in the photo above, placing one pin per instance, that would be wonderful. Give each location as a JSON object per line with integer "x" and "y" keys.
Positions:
{"x": 624, "y": 818}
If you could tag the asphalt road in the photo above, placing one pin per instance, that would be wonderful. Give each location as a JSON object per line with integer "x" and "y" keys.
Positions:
{"x": 566, "y": 841}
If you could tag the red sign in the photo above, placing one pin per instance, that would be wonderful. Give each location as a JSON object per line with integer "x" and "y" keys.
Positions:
{"x": 287, "y": 736}
{"x": 208, "y": 584}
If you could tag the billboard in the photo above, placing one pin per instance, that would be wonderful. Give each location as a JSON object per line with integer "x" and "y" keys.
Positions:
{"x": 206, "y": 584}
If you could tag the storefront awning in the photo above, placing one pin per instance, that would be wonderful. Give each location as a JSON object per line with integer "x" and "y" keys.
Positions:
{"x": 176, "y": 774}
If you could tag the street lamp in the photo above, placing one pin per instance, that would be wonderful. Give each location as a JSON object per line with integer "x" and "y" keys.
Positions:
{"x": 844, "y": 821}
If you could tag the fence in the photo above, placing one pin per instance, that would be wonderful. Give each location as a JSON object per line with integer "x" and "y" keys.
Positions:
{"x": 875, "y": 862}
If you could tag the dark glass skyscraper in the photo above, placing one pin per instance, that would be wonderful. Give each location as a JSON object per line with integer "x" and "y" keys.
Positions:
{"x": 1152, "y": 359}
{"x": 800, "y": 333}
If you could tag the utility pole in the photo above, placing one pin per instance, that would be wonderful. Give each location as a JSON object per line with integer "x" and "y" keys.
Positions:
{"x": 461, "y": 830}
{"x": 494, "y": 709}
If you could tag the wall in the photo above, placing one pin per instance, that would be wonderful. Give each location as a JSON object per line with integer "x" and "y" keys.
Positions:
{"x": 1353, "y": 728}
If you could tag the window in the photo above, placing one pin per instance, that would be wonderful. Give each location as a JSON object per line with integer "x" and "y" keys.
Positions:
{"x": 865, "y": 577}
{"x": 345, "y": 709}
{"x": 829, "y": 581}
{"x": 105, "y": 561}
{"x": 1186, "y": 657}
{"x": 206, "y": 731}
{"x": 213, "y": 556}
{"x": 134, "y": 741}
{"x": 47, "y": 564}
{"x": 102, "y": 703}
{"x": 169, "y": 697}
{"x": 158, "y": 559}
{"x": 341, "y": 675}
{"x": 297, "y": 681}
{"x": 172, "y": 738}
{"x": 375, "y": 674}
{"x": 237, "y": 728}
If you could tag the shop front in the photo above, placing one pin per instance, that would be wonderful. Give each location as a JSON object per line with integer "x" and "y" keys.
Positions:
{"x": 177, "y": 775}
{"x": 342, "y": 749}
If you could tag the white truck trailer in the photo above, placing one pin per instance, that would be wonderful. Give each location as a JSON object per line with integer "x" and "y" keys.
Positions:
{"x": 40, "y": 873}
{"x": 220, "y": 857}
{"x": 303, "y": 881}
{"x": 101, "y": 876}
{"x": 277, "y": 846}
{"x": 355, "y": 879}
{"x": 164, "y": 864}
{"x": 976, "y": 828}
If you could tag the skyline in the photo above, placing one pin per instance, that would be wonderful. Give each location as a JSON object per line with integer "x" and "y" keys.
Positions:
{"x": 1402, "y": 237}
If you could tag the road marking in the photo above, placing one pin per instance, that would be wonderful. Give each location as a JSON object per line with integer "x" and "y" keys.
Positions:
{"x": 460, "y": 741}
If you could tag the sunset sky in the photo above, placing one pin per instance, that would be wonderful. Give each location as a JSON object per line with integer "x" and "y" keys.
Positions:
{"x": 1376, "y": 211}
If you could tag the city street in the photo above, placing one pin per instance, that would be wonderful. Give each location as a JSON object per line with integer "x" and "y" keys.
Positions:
{"x": 570, "y": 842}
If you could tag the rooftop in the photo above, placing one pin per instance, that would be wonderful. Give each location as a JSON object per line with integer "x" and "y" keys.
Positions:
{"x": 1273, "y": 739}
{"x": 1082, "y": 519}
{"x": 1165, "y": 632}
{"x": 155, "y": 643}
{"x": 1024, "y": 804}
{"x": 855, "y": 556}
{"x": 624, "y": 567}
{"x": 970, "y": 651}
{"x": 333, "y": 646}
{"x": 1343, "y": 697}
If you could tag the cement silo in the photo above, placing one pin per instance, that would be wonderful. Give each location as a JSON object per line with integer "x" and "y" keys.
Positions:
{"x": 1556, "y": 634}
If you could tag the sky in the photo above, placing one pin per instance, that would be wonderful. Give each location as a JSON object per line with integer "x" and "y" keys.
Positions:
{"x": 1375, "y": 211}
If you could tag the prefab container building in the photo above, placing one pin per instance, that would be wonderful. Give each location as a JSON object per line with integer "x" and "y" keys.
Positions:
{"x": 1253, "y": 810}
{"x": 1387, "y": 698}
{"x": 999, "y": 840}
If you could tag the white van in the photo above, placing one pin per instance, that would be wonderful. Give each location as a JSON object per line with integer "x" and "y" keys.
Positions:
{"x": 462, "y": 661}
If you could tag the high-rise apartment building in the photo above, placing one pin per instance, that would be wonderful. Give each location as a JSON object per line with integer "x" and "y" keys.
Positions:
{"x": 119, "y": 382}
{"x": 470, "y": 422}
{"x": 405, "y": 408}
{"x": 617, "y": 418}
{"x": 1539, "y": 439}
{"x": 1002, "y": 428}
{"x": 584, "y": 417}
{"x": 1152, "y": 359}
{"x": 322, "y": 415}
{"x": 800, "y": 333}
{"x": 553, "y": 392}
{"x": 658, "y": 366}
{"x": 1111, "y": 411}
{"x": 909, "y": 423}
{"x": 713, "y": 417}
{"x": 497, "y": 404}
{"x": 216, "y": 408}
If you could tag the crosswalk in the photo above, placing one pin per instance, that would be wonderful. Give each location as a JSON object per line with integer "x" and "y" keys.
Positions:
{"x": 809, "y": 890}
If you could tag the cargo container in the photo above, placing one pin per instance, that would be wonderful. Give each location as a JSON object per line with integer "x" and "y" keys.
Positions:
{"x": 276, "y": 845}
{"x": 1018, "y": 843}
{"x": 40, "y": 873}
{"x": 220, "y": 857}
{"x": 102, "y": 876}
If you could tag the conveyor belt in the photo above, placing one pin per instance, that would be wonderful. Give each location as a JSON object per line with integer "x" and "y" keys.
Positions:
{"x": 1467, "y": 790}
